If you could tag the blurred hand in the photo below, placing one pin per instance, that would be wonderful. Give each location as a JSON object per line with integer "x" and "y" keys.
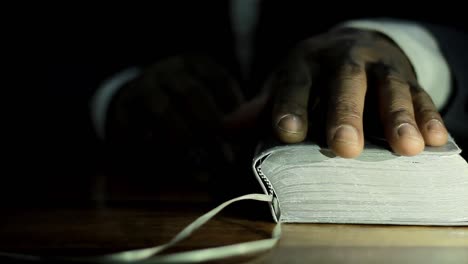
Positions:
{"x": 343, "y": 70}
{"x": 175, "y": 109}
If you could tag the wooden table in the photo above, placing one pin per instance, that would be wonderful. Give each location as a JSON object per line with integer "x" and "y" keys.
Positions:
{"x": 104, "y": 224}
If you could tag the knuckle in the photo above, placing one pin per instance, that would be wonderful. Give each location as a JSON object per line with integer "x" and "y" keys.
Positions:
{"x": 346, "y": 108}
{"x": 400, "y": 111}
{"x": 395, "y": 80}
{"x": 350, "y": 76}
{"x": 400, "y": 114}
{"x": 350, "y": 81}
{"x": 428, "y": 113}
{"x": 351, "y": 69}
{"x": 421, "y": 97}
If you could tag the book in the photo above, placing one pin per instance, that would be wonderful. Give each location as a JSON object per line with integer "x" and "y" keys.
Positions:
{"x": 309, "y": 184}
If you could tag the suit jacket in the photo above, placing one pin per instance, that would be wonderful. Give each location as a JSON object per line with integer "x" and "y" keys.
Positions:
{"x": 453, "y": 44}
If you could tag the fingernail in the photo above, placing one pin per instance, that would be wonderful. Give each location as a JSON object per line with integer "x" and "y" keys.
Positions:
{"x": 290, "y": 123}
{"x": 409, "y": 131}
{"x": 435, "y": 126}
{"x": 346, "y": 134}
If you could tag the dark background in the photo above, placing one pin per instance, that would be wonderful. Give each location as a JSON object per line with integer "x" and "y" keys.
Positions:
{"x": 62, "y": 52}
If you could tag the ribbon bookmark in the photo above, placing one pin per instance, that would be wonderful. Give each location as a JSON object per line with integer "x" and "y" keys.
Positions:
{"x": 152, "y": 254}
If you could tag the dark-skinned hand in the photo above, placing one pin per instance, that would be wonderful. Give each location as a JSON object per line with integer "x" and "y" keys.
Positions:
{"x": 338, "y": 70}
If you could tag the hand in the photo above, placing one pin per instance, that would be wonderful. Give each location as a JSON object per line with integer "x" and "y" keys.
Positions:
{"x": 347, "y": 70}
{"x": 175, "y": 108}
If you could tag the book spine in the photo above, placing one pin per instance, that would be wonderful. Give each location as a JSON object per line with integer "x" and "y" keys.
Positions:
{"x": 265, "y": 180}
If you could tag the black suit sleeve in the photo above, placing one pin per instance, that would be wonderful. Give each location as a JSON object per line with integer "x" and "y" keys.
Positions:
{"x": 454, "y": 46}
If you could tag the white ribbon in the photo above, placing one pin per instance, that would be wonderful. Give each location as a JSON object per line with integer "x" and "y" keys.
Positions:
{"x": 151, "y": 255}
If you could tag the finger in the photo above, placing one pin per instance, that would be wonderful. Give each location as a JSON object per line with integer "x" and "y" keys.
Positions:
{"x": 428, "y": 118}
{"x": 344, "y": 123}
{"x": 397, "y": 114}
{"x": 292, "y": 87}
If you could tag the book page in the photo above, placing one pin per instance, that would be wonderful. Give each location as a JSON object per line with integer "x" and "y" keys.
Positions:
{"x": 313, "y": 185}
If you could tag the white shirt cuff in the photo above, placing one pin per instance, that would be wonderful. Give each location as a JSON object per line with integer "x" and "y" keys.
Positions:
{"x": 422, "y": 50}
{"x": 103, "y": 96}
